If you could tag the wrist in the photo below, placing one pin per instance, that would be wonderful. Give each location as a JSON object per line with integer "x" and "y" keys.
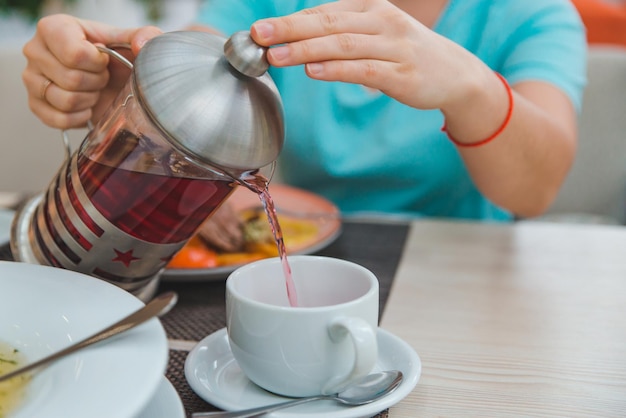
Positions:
{"x": 482, "y": 115}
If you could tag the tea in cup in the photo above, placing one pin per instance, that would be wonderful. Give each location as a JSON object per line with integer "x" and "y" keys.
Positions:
{"x": 317, "y": 347}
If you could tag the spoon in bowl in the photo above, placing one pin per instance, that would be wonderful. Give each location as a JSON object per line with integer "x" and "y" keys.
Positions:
{"x": 366, "y": 390}
{"x": 158, "y": 306}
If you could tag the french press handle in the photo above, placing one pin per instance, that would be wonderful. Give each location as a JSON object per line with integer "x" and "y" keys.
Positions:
{"x": 107, "y": 50}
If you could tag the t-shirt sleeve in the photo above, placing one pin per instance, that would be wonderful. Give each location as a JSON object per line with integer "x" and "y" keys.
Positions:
{"x": 550, "y": 46}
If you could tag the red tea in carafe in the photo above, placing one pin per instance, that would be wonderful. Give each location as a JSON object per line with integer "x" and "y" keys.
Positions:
{"x": 152, "y": 207}
{"x": 138, "y": 203}
{"x": 196, "y": 112}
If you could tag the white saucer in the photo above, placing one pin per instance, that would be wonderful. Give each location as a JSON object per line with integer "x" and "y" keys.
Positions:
{"x": 165, "y": 403}
{"x": 215, "y": 376}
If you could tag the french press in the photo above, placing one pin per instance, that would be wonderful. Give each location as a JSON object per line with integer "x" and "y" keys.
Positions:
{"x": 197, "y": 113}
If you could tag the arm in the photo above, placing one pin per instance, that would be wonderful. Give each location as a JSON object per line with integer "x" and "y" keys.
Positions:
{"x": 376, "y": 44}
{"x": 524, "y": 167}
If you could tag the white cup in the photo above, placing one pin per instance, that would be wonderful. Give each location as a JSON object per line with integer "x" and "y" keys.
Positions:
{"x": 317, "y": 347}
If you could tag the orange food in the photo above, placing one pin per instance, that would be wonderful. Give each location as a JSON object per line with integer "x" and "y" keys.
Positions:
{"x": 259, "y": 243}
{"x": 228, "y": 259}
{"x": 194, "y": 255}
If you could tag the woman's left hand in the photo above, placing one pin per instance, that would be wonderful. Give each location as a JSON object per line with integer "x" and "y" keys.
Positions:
{"x": 376, "y": 44}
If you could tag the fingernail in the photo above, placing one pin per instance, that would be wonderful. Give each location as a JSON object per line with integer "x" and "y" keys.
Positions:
{"x": 264, "y": 29}
{"x": 315, "y": 68}
{"x": 279, "y": 53}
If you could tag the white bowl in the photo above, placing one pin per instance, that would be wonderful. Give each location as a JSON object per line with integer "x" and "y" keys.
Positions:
{"x": 44, "y": 309}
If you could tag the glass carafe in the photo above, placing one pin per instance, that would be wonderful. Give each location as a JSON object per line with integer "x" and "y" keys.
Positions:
{"x": 196, "y": 115}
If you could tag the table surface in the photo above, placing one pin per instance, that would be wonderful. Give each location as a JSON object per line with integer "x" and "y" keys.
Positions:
{"x": 524, "y": 319}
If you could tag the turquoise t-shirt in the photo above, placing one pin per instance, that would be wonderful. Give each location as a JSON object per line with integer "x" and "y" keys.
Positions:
{"x": 367, "y": 152}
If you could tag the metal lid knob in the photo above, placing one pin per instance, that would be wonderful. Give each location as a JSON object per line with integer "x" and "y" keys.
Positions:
{"x": 223, "y": 115}
{"x": 245, "y": 55}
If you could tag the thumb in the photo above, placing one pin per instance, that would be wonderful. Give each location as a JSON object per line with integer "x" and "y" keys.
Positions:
{"x": 139, "y": 36}
{"x": 97, "y": 32}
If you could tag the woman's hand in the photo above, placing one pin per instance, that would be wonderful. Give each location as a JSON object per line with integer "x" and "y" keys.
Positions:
{"x": 82, "y": 80}
{"x": 376, "y": 44}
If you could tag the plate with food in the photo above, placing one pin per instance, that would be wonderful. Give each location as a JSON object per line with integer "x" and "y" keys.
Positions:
{"x": 308, "y": 221}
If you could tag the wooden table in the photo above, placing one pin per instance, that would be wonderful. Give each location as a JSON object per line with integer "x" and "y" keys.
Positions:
{"x": 518, "y": 320}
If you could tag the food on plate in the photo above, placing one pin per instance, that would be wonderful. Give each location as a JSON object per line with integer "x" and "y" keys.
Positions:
{"x": 258, "y": 242}
{"x": 195, "y": 254}
{"x": 12, "y": 391}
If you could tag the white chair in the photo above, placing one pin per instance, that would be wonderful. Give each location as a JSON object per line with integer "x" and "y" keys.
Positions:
{"x": 596, "y": 186}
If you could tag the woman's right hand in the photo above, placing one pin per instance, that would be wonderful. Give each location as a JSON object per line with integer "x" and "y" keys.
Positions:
{"x": 83, "y": 80}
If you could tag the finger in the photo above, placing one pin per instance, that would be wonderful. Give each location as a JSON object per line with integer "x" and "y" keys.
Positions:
{"x": 67, "y": 42}
{"x": 72, "y": 41}
{"x": 379, "y": 75}
{"x": 71, "y": 79}
{"x": 70, "y": 102}
{"x": 57, "y": 96}
{"x": 143, "y": 35}
{"x": 337, "y": 6}
{"x": 42, "y": 62}
{"x": 314, "y": 24}
{"x": 294, "y": 28}
{"x": 341, "y": 46}
{"x": 105, "y": 34}
{"x": 56, "y": 118}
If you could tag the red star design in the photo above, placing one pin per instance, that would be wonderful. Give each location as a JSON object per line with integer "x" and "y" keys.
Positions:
{"x": 125, "y": 257}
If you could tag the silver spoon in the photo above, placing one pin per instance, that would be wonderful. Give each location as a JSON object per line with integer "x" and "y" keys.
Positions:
{"x": 369, "y": 389}
{"x": 157, "y": 306}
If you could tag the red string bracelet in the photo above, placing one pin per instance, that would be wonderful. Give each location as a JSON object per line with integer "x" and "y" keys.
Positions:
{"x": 509, "y": 93}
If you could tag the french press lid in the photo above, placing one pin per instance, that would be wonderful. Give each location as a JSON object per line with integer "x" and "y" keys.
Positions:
{"x": 212, "y": 97}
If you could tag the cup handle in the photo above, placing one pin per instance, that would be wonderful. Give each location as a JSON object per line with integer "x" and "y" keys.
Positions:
{"x": 365, "y": 350}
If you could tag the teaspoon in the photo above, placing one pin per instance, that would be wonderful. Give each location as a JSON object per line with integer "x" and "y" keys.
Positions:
{"x": 369, "y": 389}
{"x": 157, "y": 306}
